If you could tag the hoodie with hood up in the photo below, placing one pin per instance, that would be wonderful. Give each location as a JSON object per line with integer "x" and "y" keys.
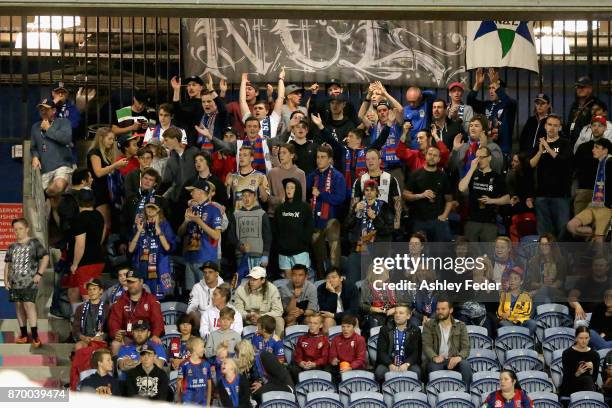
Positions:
{"x": 293, "y": 223}
{"x": 276, "y": 180}
{"x": 277, "y": 378}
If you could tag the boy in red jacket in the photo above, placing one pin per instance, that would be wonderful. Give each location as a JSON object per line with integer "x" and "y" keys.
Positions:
{"x": 311, "y": 350}
{"x": 348, "y": 350}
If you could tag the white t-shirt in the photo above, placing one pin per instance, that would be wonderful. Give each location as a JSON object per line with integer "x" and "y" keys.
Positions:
{"x": 209, "y": 321}
{"x": 151, "y": 132}
{"x": 274, "y": 122}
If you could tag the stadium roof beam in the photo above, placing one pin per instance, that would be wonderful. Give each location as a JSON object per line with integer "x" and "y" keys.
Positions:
{"x": 326, "y": 9}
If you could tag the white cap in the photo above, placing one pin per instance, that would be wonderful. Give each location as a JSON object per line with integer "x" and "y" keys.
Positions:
{"x": 257, "y": 272}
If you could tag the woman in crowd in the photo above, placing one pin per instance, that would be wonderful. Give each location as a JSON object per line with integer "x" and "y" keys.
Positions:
{"x": 234, "y": 390}
{"x": 509, "y": 394}
{"x": 580, "y": 365}
{"x": 546, "y": 272}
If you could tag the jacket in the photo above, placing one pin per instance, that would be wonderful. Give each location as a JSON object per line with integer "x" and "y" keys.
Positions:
{"x": 312, "y": 347}
{"x": 521, "y": 310}
{"x": 293, "y": 223}
{"x": 501, "y": 114}
{"x": 178, "y": 170}
{"x": 352, "y": 350}
{"x": 76, "y": 323}
{"x": 244, "y": 393}
{"x": 147, "y": 308}
{"x": 415, "y": 159}
{"x": 328, "y": 301}
{"x": 335, "y": 197}
{"x": 200, "y": 297}
{"x": 276, "y": 179}
{"x": 385, "y": 345}
{"x": 458, "y": 339}
{"x": 531, "y": 133}
{"x": 187, "y": 115}
{"x": 53, "y": 147}
{"x": 268, "y": 304}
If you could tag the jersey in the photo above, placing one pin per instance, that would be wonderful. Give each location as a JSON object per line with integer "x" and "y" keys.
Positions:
{"x": 237, "y": 182}
{"x": 195, "y": 379}
{"x": 131, "y": 351}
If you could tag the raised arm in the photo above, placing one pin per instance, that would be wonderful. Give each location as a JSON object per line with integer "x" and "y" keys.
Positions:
{"x": 280, "y": 98}
{"x": 244, "y": 106}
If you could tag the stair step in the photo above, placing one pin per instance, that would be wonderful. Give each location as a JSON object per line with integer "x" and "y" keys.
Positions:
{"x": 47, "y": 349}
{"x": 45, "y": 337}
{"x": 34, "y": 360}
{"x": 59, "y": 327}
{"x": 60, "y": 373}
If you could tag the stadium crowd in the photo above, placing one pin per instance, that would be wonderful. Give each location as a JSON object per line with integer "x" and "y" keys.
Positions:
{"x": 211, "y": 248}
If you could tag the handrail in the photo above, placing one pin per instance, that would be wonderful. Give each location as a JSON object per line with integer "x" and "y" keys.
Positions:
{"x": 34, "y": 206}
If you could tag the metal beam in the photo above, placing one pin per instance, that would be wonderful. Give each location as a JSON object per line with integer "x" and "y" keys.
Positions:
{"x": 336, "y": 9}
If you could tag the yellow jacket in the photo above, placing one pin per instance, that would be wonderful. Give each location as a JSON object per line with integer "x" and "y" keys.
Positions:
{"x": 522, "y": 307}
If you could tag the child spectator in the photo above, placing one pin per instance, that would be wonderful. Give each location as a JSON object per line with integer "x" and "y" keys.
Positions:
{"x": 147, "y": 380}
{"x": 25, "y": 262}
{"x": 348, "y": 350}
{"x": 194, "y": 376}
{"x": 224, "y": 334}
{"x": 102, "y": 381}
{"x": 222, "y": 354}
{"x": 252, "y": 232}
{"x": 234, "y": 391}
{"x": 210, "y": 318}
{"x": 178, "y": 351}
{"x": 311, "y": 349}
{"x": 265, "y": 340}
{"x": 515, "y": 304}
{"x": 90, "y": 317}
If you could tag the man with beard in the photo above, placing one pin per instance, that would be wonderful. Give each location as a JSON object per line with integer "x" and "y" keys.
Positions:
{"x": 446, "y": 345}
{"x": 442, "y": 127}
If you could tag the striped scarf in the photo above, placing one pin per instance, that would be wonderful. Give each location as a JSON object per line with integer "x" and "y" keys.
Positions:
{"x": 354, "y": 165}
{"x": 259, "y": 159}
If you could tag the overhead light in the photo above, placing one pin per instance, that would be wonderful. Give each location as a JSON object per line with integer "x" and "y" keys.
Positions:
{"x": 55, "y": 23}
{"x": 552, "y": 44}
{"x": 574, "y": 26}
{"x": 38, "y": 40}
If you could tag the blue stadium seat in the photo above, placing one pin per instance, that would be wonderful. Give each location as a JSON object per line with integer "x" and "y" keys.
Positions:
{"x": 587, "y": 399}
{"x": 172, "y": 380}
{"x": 83, "y": 375}
{"x": 372, "y": 340}
{"x": 535, "y": 381}
{"x": 323, "y": 399}
{"x": 410, "y": 400}
{"x": 483, "y": 360}
{"x": 399, "y": 381}
{"x": 355, "y": 381}
{"x": 313, "y": 381}
{"x": 556, "y": 368}
{"x": 278, "y": 399}
{"x": 442, "y": 381}
{"x": 551, "y": 315}
{"x": 170, "y": 332}
{"x": 454, "y": 399}
{"x": 523, "y": 360}
{"x": 292, "y": 333}
{"x": 602, "y": 364}
{"x": 544, "y": 400}
{"x": 479, "y": 337}
{"x": 248, "y": 332}
{"x": 510, "y": 338}
{"x": 171, "y": 311}
{"x": 483, "y": 383}
{"x": 557, "y": 338}
{"x": 365, "y": 399}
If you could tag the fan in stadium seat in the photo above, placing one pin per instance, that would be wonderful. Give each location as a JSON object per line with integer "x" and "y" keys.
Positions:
{"x": 509, "y": 390}
{"x": 580, "y": 365}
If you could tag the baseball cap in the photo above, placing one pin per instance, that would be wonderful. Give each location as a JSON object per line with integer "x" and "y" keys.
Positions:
{"x": 257, "y": 272}
{"x": 59, "y": 86}
{"x": 131, "y": 276}
{"x": 153, "y": 201}
{"x": 146, "y": 348}
{"x": 605, "y": 143}
{"x": 335, "y": 81}
{"x": 141, "y": 324}
{"x": 124, "y": 139}
{"x": 248, "y": 189}
{"x": 289, "y": 89}
{"x": 542, "y": 97}
{"x": 583, "y": 81}
{"x": 384, "y": 102}
{"x": 339, "y": 98}
{"x": 194, "y": 78}
{"x": 370, "y": 184}
{"x": 456, "y": 85}
{"x": 231, "y": 130}
{"x": 46, "y": 103}
{"x": 210, "y": 265}
{"x": 94, "y": 282}
{"x": 199, "y": 184}
{"x": 141, "y": 96}
{"x": 599, "y": 119}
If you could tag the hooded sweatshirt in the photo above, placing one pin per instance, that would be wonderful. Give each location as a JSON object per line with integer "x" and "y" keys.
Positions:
{"x": 312, "y": 347}
{"x": 277, "y": 376}
{"x": 293, "y": 223}
{"x": 252, "y": 227}
{"x": 276, "y": 180}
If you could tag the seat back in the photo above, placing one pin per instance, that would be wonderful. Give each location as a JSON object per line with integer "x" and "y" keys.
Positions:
{"x": 372, "y": 340}
{"x": 556, "y": 338}
{"x": 512, "y": 337}
{"x": 544, "y": 400}
{"x": 313, "y": 381}
{"x": 483, "y": 360}
{"x": 171, "y": 311}
{"x": 333, "y": 332}
{"x": 292, "y": 333}
{"x": 248, "y": 332}
{"x": 483, "y": 383}
{"x": 454, "y": 399}
{"x": 443, "y": 381}
{"x": 535, "y": 381}
{"x": 170, "y": 333}
{"x": 367, "y": 400}
{"x": 556, "y": 368}
{"x": 479, "y": 337}
{"x": 278, "y": 399}
{"x": 523, "y": 360}
{"x": 399, "y": 381}
{"x": 551, "y": 315}
{"x": 323, "y": 400}
{"x": 410, "y": 400}
{"x": 587, "y": 399}
{"x": 356, "y": 381}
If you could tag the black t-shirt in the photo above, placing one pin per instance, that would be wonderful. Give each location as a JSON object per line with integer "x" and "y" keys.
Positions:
{"x": 393, "y": 189}
{"x": 553, "y": 176}
{"x": 91, "y": 223}
{"x": 586, "y": 165}
{"x": 95, "y": 380}
{"x": 436, "y": 181}
{"x": 592, "y": 292}
{"x": 488, "y": 184}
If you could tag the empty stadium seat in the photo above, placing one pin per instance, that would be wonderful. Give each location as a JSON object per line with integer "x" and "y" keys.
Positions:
{"x": 587, "y": 399}
{"x": 551, "y": 315}
{"x": 248, "y": 332}
{"x": 355, "y": 381}
{"x": 365, "y": 399}
{"x": 545, "y": 400}
{"x": 602, "y": 364}
{"x": 483, "y": 383}
{"x": 556, "y": 368}
{"x": 280, "y": 282}
{"x": 557, "y": 338}
{"x": 171, "y": 311}
{"x": 510, "y": 338}
{"x": 479, "y": 337}
{"x": 535, "y": 381}
{"x": 442, "y": 381}
{"x": 399, "y": 381}
{"x": 523, "y": 360}
{"x": 454, "y": 399}
{"x": 313, "y": 381}
{"x": 323, "y": 399}
{"x": 410, "y": 400}
{"x": 483, "y": 360}
{"x": 292, "y": 333}
{"x": 374, "y": 331}
{"x": 278, "y": 399}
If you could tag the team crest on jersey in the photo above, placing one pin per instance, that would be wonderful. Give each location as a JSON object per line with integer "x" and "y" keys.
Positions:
{"x": 320, "y": 345}
{"x": 498, "y": 404}
{"x": 304, "y": 344}
{"x": 422, "y": 113}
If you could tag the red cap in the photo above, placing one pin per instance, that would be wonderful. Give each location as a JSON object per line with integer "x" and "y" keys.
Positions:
{"x": 600, "y": 119}
{"x": 371, "y": 184}
{"x": 456, "y": 84}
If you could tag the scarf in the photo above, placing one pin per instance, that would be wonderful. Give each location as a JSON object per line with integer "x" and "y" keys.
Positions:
{"x": 266, "y": 127}
{"x": 261, "y": 154}
{"x": 116, "y": 293}
{"x": 354, "y": 165}
{"x": 144, "y": 197}
{"x": 194, "y": 232}
{"x": 367, "y": 223}
{"x": 388, "y": 151}
{"x": 99, "y": 318}
{"x": 469, "y": 156}
{"x": 323, "y": 214}
{"x": 150, "y": 246}
{"x": 599, "y": 189}
{"x": 399, "y": 353}
{"x": 232, "y": 389}
{"x": 208, "y": 121}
